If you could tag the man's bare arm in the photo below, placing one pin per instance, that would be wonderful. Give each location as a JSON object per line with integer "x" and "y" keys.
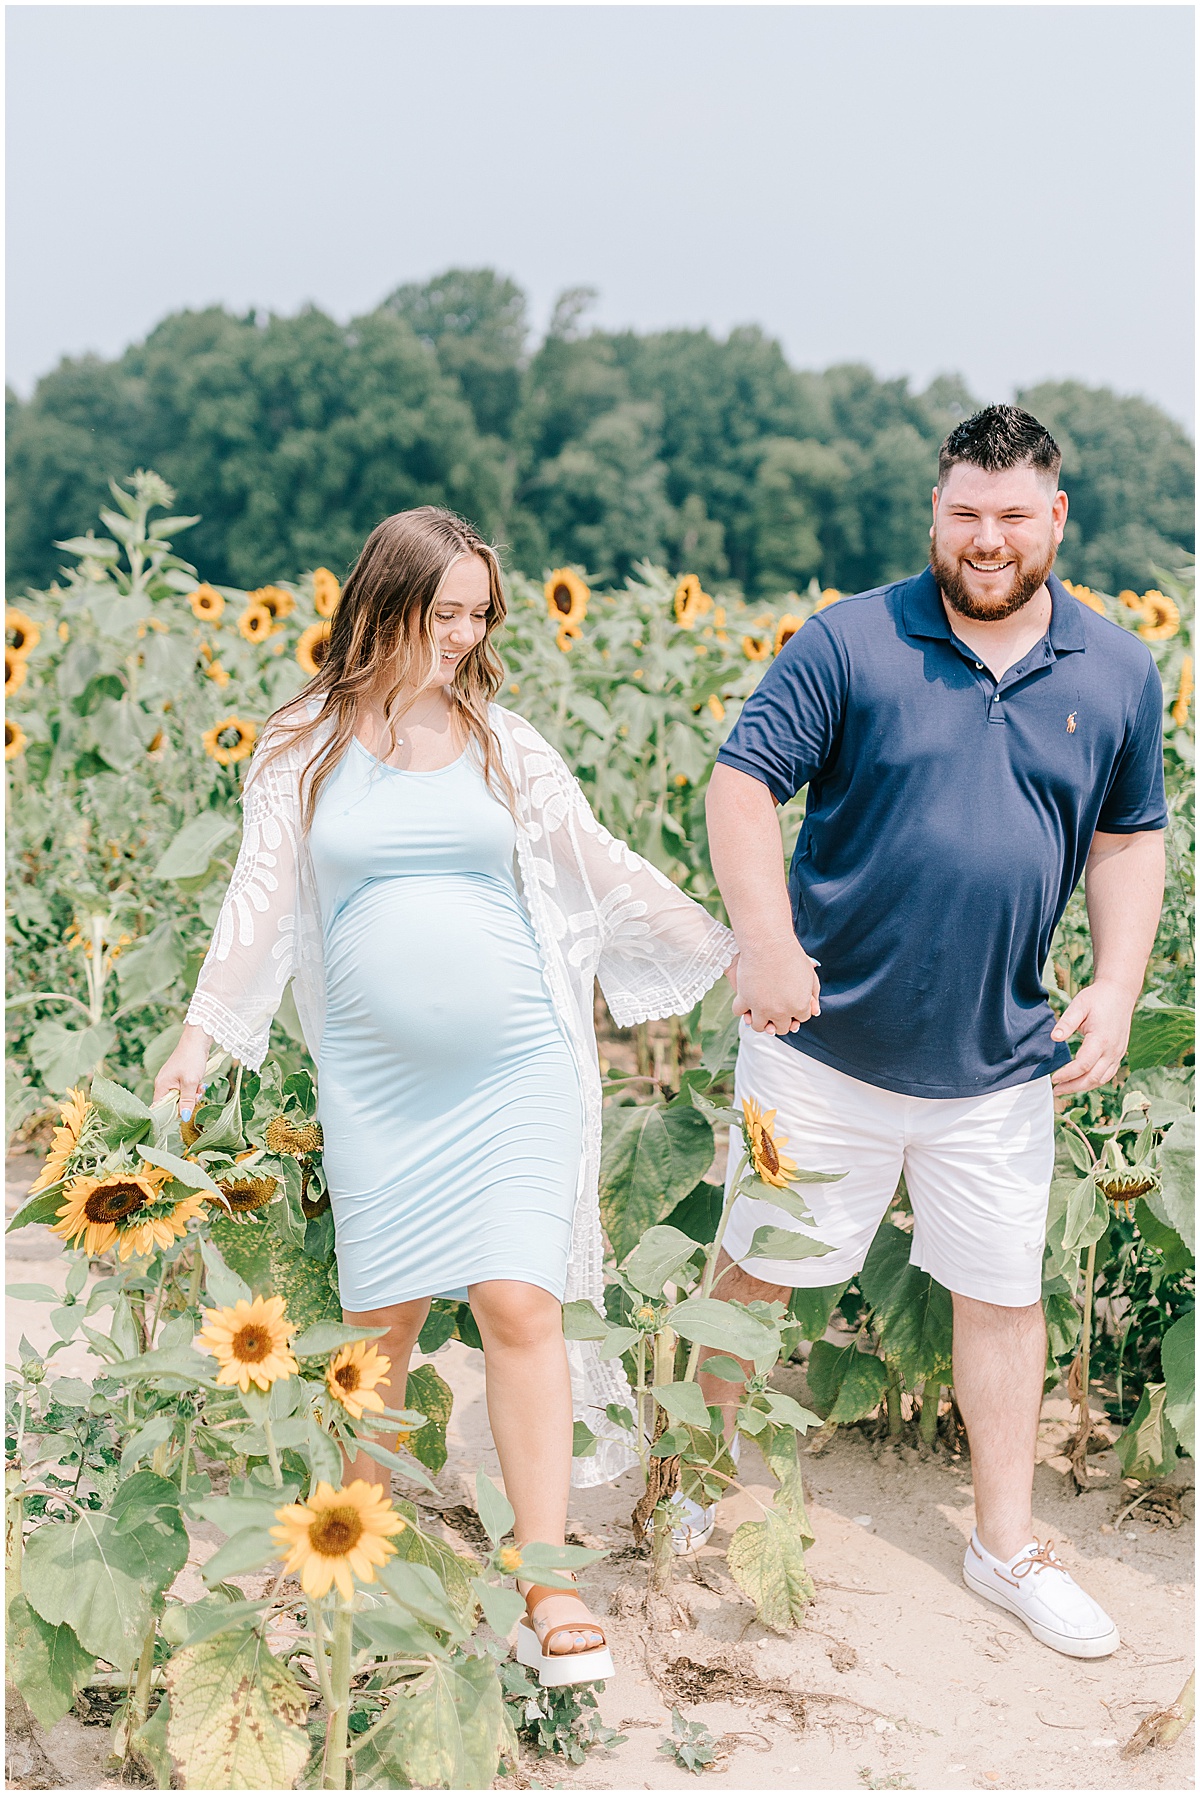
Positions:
{"x": 1124, "y": 887}
{"x": 777, "y": 984}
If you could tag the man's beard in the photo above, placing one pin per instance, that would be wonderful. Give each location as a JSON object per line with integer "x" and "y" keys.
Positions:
{"x": 1029, "y": 577}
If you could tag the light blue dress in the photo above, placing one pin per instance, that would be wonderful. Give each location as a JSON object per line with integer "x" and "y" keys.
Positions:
{"x": 449, "y": 1100}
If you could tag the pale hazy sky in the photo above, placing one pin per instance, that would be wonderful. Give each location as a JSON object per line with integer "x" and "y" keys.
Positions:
{"x": 1000, "y": 191}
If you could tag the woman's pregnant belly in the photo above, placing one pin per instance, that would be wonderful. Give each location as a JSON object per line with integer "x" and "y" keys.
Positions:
{"x": 438, "y": 973}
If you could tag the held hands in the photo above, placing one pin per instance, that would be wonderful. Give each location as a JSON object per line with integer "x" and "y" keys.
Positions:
{"x": 184, "y": 1071}
{"x": 777, "y": 989}
{"x": 1101, "y": 1013}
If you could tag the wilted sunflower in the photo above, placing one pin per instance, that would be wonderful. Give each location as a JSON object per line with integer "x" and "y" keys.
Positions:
{"x": 326, "y": 592}
{"x": 764, "y": 1147}
{"x": 312, "y": 648}
{"x": 229, "y": 740}
{"x": 756, "y": 648}
{"x": 1183, "y": 698}
{"x": 716, "y": 708}
{"x": 568, "y": 632}
{"x": 206, "y": 603}
{"x": 785, "y": 629}
{"x": 691, "y": 602}
{"x": 274, "y": 600}
{"x": 338, "y": 1535}
{"x": 566, "y": 597}
{"x": 66, "y": 1137}
{"x": 15, "y": 671}
{"x": 14, "y": 740}
{"x": 1124, "y": 1188}
{"x": 255, "y": 623}
{"x": 352, "y": 1375}
{"x": 1162, "y": 617}
{"x": 249, "y": 1342}
{"x": 244, "y": 1195}
{"x": 828, "y": 597}
{"x": 284, "y": 1137}
{"x": 24, "y": 631}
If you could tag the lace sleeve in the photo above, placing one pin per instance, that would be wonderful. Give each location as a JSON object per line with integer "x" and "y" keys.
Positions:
{"x": 253, "y": 950}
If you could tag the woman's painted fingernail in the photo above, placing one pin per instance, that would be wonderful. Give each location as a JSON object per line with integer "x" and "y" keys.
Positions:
{"x": 185, "y": 1112}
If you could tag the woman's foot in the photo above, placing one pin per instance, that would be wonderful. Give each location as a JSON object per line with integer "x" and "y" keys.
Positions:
{"x": 562, "y": 1621}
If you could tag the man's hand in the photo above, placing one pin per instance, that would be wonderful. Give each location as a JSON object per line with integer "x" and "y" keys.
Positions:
{"x": 777, "y": 989}
{"x": 1101, "y": 1013}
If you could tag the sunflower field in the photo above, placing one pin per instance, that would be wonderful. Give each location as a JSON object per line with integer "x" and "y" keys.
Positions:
{"x": 201, "y": 1276}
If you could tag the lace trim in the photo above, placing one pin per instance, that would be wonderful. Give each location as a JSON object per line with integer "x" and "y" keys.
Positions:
{"x": 208, "y": 1013}
{"x": 667, "y": 998}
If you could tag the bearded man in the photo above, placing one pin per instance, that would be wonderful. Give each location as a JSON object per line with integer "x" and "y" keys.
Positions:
{"x": 973, "y": 740}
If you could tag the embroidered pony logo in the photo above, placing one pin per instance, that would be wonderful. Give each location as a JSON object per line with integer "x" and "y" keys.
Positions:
{"x": 1071, "y": 722}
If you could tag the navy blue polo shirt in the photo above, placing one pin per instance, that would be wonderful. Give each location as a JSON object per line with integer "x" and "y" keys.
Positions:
{"x": 947, "y": 822}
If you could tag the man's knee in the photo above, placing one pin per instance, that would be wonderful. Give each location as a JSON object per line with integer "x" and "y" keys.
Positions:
{"x": 733, "y": 1281}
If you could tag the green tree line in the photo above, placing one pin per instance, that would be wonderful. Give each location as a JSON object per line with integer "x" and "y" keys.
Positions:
{"x": 294, "y": 436}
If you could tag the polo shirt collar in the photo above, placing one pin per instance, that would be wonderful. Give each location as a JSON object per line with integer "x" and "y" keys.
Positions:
{"x": 925, "y": 614}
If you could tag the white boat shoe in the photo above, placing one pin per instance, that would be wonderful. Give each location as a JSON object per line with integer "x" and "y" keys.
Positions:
{"x": 696, "y": 1520}
{"x": 1036, "y": 1587}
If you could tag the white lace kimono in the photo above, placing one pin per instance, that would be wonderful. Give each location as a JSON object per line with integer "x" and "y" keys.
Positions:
{"x": 599, "y": 911}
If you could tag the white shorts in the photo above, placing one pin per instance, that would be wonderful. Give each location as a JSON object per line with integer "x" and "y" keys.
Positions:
{"x": 977, "y": 1170}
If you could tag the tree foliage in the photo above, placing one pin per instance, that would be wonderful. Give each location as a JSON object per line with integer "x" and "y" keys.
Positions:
{"x": 294, "y": 436}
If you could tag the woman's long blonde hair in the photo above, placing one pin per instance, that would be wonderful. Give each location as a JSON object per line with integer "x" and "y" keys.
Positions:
{"x": 382, "y": 639}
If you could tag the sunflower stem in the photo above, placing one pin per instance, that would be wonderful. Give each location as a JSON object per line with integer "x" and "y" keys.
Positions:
{"x": 186, "y": 1459}
{"x": 14, "y": 1531}
{"x": 196, "y": 1277}
{"x": 337, "y": 1757}
{"x": 710, "y": 1263}
{"x": 641, "y": 1404}
{"x": 273, "y": 1453}
{"x": 141, "y": 1692}
{"x": 1085, "y": 1357}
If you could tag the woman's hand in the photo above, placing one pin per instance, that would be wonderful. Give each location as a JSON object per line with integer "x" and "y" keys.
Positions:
{"x": 184, "y": 1071}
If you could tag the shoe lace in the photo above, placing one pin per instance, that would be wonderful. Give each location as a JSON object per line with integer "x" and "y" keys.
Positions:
{"x": 1044, "y": 1558}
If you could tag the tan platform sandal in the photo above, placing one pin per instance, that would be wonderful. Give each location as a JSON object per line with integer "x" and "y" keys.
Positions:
{"x": 557, "y": 1669}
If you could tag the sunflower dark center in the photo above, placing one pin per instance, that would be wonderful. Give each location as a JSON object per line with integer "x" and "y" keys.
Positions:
{"x": 319, "y": 649}
{"x": 348, "y": 1377}
{"x": 336, "y": 1532}
{"x": 767, "y": 1153}
{"x": 251, "y": 1344}
{"x": 229, "y": 738}
{"x": 113, "y": 1202}
{"x": 563, "y": 600}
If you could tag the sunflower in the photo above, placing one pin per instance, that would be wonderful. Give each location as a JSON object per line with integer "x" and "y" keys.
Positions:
{"x": 249, "y": 1342}
{"x": 716, "y": 708}
{"x": 785, "y": 629}
{"x": 568, "y": 632}
{"x": 326, "y": 592}
{"x": 1124, "y": 1188}
{"x": 1131, "y": 600}
{"x": 338, "y": 1535}
{"x": 566, "y": 597}
{"x": 66, "y": 1136}
{"x": 1183, "y": 698}
{"x": 828, "y": 597}
{"x": 15, "y": 671}
{"x": 218, "y": 674}
{"x": 510, "y": 1559}
{"x": 127, "y": 1208}
{"x": 284, "y": 1137}
{"x": 14, "y": 740}
{"x": 25, "y": 633}
{"x": 274, "y": 599}
{"x": 764, "y": 1147}
{"x": 1087, "y": 597}
{"x": 224, "y": 751}
{"x": 756, "y": 648}
{"x": 1162, "y": 618}
{"x": 243, "y": 1195}
{"x": 255, "y": 623}
{"x": 691, "y": 602}
{"x": 207, "y": 603}
{"x": 352, "y": 1375}
{"x": 312, "y": 648}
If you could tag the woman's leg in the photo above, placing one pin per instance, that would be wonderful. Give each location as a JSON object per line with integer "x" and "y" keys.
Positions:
{"x": 403, "y": 1322}
{"x": 529, "y": 1407}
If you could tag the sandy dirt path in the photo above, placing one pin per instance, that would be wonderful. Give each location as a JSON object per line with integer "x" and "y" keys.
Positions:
{"x": 901, "y": 1678}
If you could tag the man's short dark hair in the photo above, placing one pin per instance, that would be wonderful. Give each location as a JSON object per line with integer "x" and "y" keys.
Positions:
{"x": 999, "y": 437}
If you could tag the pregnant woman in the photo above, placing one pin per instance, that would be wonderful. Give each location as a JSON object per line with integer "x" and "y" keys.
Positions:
{"x": 425, "y": 869}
